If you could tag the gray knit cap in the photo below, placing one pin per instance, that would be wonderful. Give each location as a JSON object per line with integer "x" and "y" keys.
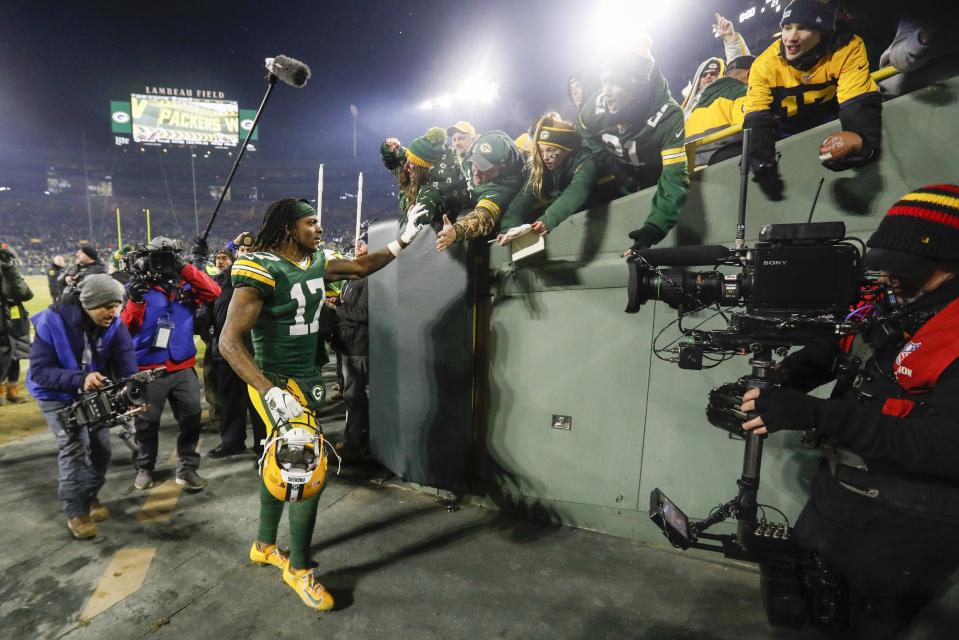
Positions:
{"x": 98, "y": 290}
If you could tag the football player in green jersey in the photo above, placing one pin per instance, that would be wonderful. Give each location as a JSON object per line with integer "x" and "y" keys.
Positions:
{"x": 279, "y": 289}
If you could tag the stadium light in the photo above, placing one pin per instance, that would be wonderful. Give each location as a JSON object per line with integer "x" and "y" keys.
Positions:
{"x": 477, "y": 89}
{"x": 642, "y": 16}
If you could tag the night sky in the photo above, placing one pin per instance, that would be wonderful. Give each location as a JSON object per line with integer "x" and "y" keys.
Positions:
{"x": 64, "y": 61}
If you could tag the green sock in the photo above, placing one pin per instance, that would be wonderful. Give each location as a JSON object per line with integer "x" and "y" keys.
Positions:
{"x": 302, "y": 521}
{"x": 271, "y": 511}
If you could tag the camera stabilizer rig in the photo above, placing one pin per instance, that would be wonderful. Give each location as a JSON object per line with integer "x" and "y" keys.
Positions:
{"x": 796, "y": 287}
{"x": 112, "y": 405}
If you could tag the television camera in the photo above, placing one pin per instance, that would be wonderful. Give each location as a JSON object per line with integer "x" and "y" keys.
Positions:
{"x": 795, "y": 287}
{"x": 156, "y": 263}
{"x": 112, "y": 405}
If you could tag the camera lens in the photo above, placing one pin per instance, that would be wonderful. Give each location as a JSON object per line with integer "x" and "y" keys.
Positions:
{"x": 132, "y": 394}
{"x": 681, "y": 288}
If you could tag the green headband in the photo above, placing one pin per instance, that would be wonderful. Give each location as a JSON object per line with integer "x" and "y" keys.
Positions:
{"x": 303, "y": 209}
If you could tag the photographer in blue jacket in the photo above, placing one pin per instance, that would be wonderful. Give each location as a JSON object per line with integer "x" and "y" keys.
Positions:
{"x": 80, "y": 345}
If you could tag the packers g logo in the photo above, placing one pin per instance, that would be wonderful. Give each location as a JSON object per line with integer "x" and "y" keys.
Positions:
{"x": 317, "y": 392}
{"x": 121, "y": 117}
{"x": 544, "y": 135}
{"x": 486, "y": 148}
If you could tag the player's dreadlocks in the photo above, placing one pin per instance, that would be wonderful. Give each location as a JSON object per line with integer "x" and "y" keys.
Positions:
{"x": 277, "y": 225}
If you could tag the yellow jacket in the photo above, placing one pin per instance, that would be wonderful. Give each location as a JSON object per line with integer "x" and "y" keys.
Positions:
{"x": 802, "y": 99}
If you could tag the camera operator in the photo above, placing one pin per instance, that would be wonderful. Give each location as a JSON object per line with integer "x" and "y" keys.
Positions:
{"x": 885, "y": 504}
{"x": 79, "y": 345}
{"x": 164, "y": 292}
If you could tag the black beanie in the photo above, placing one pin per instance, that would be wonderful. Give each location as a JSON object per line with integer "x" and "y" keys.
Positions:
{"x": 923, "y": 225}
{"x": 90, "y": 251}
{"x": 740, "y": 62}
{"x": 814, "y": 14}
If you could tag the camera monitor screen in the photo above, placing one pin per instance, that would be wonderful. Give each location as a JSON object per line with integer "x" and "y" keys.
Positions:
{"x": 176, "y": 120}
{"x": 668, "y": 517}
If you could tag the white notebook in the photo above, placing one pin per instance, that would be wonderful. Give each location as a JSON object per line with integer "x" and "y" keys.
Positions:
{"x": 527, "y": 244}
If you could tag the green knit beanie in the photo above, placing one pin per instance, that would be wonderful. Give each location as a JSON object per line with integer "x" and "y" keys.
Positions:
{"x": 426, "y": 150}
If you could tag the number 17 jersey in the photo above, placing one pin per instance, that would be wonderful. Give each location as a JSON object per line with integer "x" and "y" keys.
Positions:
{"x": 285, "y": 339}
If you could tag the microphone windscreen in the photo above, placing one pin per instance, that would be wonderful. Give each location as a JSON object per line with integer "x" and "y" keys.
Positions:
{"x": 691, "y": 256}
{"x": 289, "y": 70}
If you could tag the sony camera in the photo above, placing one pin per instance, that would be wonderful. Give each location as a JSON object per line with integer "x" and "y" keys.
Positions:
{"x": 111, "y": 405}
{"x": 796, "y": 286}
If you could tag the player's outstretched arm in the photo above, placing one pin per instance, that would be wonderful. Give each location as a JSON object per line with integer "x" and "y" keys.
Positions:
{"x": 245, "y": 307}
{"x": 361, "y": 267}
{"x": 373, "y": 262}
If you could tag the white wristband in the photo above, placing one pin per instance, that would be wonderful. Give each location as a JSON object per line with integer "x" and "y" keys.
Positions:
{"x": 395, "y": 247}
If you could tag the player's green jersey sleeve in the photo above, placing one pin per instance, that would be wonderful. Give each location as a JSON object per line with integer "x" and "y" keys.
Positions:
{"x": 251, "y": 270}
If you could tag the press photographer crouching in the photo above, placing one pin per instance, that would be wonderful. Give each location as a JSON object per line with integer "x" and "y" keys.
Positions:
{"x": 165, "y": 292}
{"x": 885, "y": 504}
{"x": 79, "y": 346}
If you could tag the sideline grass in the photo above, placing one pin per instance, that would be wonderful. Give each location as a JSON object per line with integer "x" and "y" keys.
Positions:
{"x": 21, "y": 420}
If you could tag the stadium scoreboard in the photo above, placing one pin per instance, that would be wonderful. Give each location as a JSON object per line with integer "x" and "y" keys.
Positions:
{"x": 186, "y": 117}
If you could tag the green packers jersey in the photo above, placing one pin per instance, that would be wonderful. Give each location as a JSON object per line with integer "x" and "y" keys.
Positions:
{"x": 285, "y": 336}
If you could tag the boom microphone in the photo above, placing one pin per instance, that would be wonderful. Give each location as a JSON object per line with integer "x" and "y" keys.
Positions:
{"x": 691, "y": 256}
{"x": 289, "y": 70}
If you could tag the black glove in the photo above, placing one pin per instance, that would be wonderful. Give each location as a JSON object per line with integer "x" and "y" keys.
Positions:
{"x": 854, "y": 161}
{"x": 787, "y": 409}
{"x": 763, "y": 159}
{"x": 645, "y": 237}
{"x": 200, "y": 248}
{"x": 863, "y": 117}
{"x": 137, "y": 289}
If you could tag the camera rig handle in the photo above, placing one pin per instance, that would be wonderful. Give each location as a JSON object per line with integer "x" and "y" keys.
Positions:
{"x": 761, "y": 377}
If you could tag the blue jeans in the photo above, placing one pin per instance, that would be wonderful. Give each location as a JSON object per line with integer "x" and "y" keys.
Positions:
{"x": 82, "y": 461}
